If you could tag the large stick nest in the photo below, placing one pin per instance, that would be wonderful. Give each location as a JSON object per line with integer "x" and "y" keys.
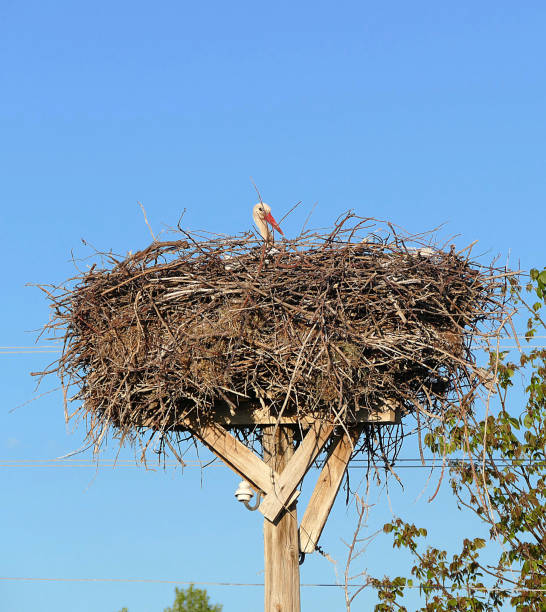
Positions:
{"x": 326, "y": 324}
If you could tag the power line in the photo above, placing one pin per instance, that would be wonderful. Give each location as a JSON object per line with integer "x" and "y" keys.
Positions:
{"x": 356, "y": 463}
{"x": 32, "y": 346}
{"x": 59, "y": 344}
{"x": 482, "y": 348}
{"x": 26, "y": 352}
{"x": 59, "y": 460}
{"x": 57, "y": 347}
{"x": 512, "y": 346}
{"x": 259, "y": 584}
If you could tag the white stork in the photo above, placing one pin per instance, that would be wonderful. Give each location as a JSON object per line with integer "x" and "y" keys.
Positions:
{"x": 261, "y": 213}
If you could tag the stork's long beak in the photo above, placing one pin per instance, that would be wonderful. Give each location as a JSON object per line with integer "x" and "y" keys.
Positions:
{"x": 269, "y": 218}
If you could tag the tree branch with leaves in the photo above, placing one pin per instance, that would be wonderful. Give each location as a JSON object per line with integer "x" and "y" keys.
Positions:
{"x": 497, "y": 472}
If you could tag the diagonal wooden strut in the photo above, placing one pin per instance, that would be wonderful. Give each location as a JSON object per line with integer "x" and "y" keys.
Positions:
{"x": 236, "y": 456}
{"x": 283, "y": 487}
{"x": 326, "y": 490}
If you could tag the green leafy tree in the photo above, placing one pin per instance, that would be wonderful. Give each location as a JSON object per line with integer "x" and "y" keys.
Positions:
{"x": 502, "y": 480}
{"x": 192, "y": 600}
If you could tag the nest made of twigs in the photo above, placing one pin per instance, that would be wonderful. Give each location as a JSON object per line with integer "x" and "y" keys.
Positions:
{"x": 325, "y": 324}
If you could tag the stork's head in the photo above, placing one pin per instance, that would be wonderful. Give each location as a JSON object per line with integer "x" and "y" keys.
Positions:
{"x": 262, "y": 216}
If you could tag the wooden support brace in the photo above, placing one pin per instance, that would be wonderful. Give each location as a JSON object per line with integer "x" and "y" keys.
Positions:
{"x": 236, "y": 456}
{"x": 283, "y": 487}
{"x": 326, "y": 490}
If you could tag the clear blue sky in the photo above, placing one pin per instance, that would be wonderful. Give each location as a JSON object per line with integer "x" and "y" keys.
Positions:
{"x": 421, "y": 113}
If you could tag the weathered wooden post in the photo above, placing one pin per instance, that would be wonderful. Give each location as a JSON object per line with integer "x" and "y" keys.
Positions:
{"x": 281, "y": 545}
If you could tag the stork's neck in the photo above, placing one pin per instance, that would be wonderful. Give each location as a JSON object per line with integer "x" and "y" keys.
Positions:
{"x": 263, "y": 228}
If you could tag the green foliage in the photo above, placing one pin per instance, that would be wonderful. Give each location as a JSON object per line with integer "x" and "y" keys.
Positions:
{"x": 192, "y": 600}
{"x": 503, "y": 482}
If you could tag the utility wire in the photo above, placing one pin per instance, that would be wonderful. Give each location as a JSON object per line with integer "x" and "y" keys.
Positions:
{"x": 26, "y": 352}
{"x": 356, "y": 463}
{"x": 58, "y": 346}
{"x": 257, "y": 584}
{"x": 218, "y": 462}
{"x": 483, "y": 348}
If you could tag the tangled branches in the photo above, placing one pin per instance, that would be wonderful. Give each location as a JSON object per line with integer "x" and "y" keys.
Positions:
{"x": 324, "y": 325}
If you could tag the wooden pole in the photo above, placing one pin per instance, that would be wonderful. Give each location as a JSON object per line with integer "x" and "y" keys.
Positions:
{"x": 281, "y": 545}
